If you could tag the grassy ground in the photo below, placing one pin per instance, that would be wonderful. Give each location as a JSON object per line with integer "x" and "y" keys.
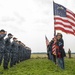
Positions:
{"x": 45, "y": 55}
{"x": 40, "y": 66}
{"x": 39, "y": 56}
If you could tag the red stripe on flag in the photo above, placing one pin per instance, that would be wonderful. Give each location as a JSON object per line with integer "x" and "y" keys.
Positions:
{"x": 64, "y": 30}
{"x": 69, "y": 17}
{"x": 64, "y": 20}
{"x": 70, "y": 12}
{"x": 47, "y": 41}
{"x": 67, "y": 26}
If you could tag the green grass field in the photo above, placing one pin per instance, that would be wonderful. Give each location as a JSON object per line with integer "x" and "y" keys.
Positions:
{"x": 40, "y": 66}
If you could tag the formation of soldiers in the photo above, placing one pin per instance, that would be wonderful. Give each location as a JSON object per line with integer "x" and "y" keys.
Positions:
{"x": 55, "y": 50}
{"x": 13, "y": 52}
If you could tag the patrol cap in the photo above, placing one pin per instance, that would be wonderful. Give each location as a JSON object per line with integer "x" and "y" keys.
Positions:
{"x": 14, "y": 38}
{"x": 19, "y": 41}
{"x": 10, "y": 34}
{"x": 2, "y": 30}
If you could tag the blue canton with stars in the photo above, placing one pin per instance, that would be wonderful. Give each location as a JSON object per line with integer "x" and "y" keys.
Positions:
{"x": 59, "y": 10}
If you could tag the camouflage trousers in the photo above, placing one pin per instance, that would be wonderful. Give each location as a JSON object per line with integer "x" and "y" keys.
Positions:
{"x": 1, "y": 57}
{"x": 6, "y": 60}
{"x": 14, "y": 59}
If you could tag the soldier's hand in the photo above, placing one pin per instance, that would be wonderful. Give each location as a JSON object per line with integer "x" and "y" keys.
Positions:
{"x": 5, "y": 32}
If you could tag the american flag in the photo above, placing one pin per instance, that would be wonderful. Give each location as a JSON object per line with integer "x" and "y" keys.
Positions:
{"x": 54, "y": 46}
{"x": 64, "y": 19}
{"x": 54, "y": 49}
{"x": 47, "y": 41}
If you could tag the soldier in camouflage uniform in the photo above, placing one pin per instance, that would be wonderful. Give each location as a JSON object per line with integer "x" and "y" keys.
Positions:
{"x": 28, "y": 53}
{"x": 20, "y": 51}
{"x": 2, "y": 44}
{"x": 7, "y": 51}
{"x": 14, "y": 52}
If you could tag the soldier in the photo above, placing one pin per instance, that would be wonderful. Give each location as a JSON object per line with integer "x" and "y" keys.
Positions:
{"x": 29, "y": 53}
{"x": 7, "y": 51}
{"x": 2, "y": 44}
{"x": 14, "y": 52}
{"x": 20, "y": 51}
{"x": 69, "y": 53}
{"x": 18, "y": 54}
{"x": 24, "y": 52}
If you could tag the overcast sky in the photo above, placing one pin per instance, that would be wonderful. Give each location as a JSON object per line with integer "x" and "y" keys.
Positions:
{"x": 31, "y": 20}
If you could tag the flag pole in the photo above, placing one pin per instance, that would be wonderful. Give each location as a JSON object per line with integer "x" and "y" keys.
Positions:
{"x": 54, "y": 31}
{"x": 54, "y": 25}
{"x": 55, "y": 34}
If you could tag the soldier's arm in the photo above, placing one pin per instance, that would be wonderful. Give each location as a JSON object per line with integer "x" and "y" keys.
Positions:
{"x": 12, "y": 44}
{"x": 2, "y": 36}
{"x": 6, "y": 40}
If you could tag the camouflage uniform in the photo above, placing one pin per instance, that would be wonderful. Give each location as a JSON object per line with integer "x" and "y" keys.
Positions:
{"x": 2, "y": 46}
{"x": 14, "y": 53}
{"x": 7, "y": 52}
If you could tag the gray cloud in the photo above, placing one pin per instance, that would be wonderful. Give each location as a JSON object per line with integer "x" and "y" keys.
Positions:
{"x": 7, "y": 19}
{"x": 44, "y": 21}
{"x": 21, "y": 19}
{"x": 44, "y": 1}
{"x": 17, "y": 18}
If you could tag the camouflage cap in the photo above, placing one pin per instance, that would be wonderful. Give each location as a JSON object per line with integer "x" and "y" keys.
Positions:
{"x": 10, "y": 34}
